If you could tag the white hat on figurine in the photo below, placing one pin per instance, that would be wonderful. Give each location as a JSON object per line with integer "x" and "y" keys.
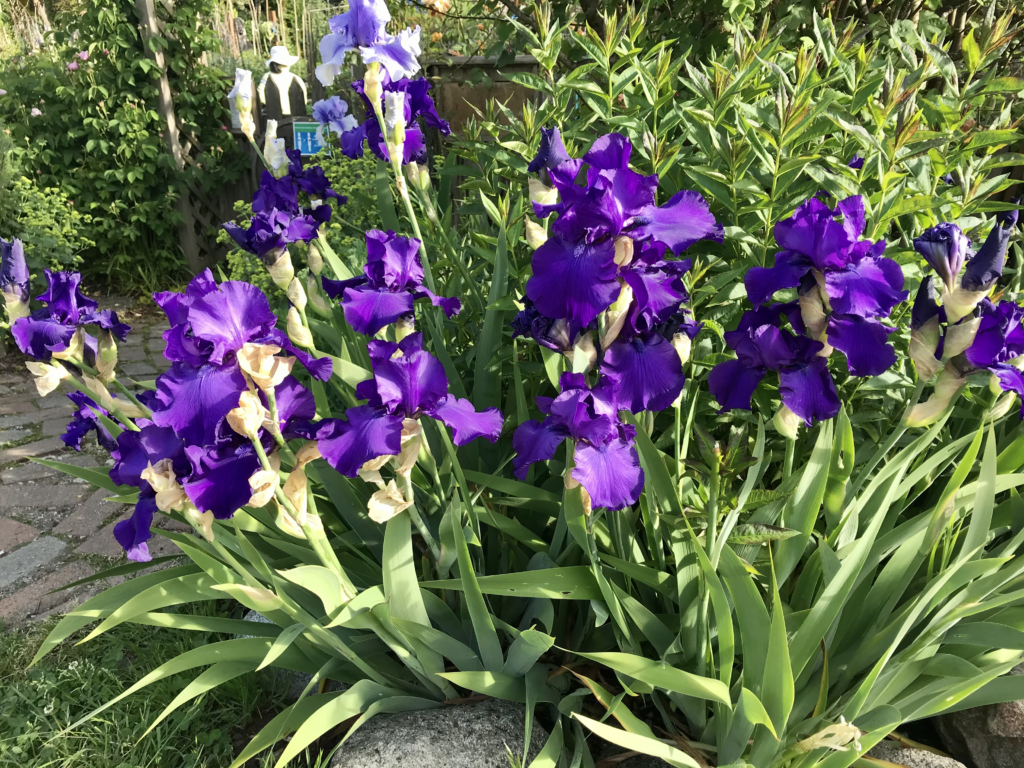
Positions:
{"x": 279, "y": 55}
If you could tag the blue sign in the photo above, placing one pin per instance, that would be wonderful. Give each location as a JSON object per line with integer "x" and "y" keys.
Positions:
{"x": 307, "y": 140}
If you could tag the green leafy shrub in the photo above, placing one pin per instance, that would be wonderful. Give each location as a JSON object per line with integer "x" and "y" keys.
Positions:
{"x": 94, "y": 132}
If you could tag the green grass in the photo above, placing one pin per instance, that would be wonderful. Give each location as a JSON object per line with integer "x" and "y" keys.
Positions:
{"x": 37, "y": 704}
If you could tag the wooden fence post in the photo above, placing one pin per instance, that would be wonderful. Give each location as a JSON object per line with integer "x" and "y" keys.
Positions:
{"x": 146, "y": 11}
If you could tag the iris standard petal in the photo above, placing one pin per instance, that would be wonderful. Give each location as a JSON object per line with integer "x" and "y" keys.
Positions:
{"x": 231, "y": 316}
{"x": 413, "y": 382}
{"x": 679, "y": 223}
{"x": 551, "y": 151}
{"x": 219, "y": 482}
{"x": 368, "y": 310}
{"x": 870, "y": 287}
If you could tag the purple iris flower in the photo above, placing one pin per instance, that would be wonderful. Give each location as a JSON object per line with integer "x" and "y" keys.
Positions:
{"x": 271, "y": 231}
{"x": 333, "y": 114}
{"x": 999, "y": 341}
{"x": 362, "y": 27}
{"x": 945, "y": 248}
{"x": 418, "y": 104}
{"x": 856, "y": 162}
{"x": 392, "y": 281}
{"x": 84, "y": 420}
{"x": 312, "y": 180}
{"x": 576, "y": 272}
{"x": 824, "y": 256}
{"x": 557, "y": 335}
{"x": 50, "y": 329}
{"x": 607, "y": 464}
{"x": 209, "y": 325}
{"x": 551, "y": 152}
{"x": 14, "y": 277}
{"x": 134, "y": 452}
{"x": 761, "y": 345}
{"x": 405, "y": 386}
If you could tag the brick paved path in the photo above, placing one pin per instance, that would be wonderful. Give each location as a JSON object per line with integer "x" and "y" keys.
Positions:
{"x": 56, "y": 529}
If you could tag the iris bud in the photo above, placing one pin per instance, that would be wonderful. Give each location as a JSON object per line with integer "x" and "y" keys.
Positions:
{"x": 296, "y": 295}
{"x": 786, "y": 422}
{"x": 615, "y": 316}
{"x": 297, "y": 332}
{"x": 373, "y": 84}
{"x": 314, "y": 260}
{"x": 248, "y": 416}
{"x": 623, "y": 250}
{"x": 261, "y": 363}
{"x": 169, "y": 493}
{"x": 945, "y": 248}
{"x": 924, "y": 331}
{"x": 947, "y": 386}
{"x": 541, "y": 194}
{"x": 106, "y": 359}
{"x": 394, "y": 117}
{"x": 316, "y": 299}
{"x": 274, "y": 151}
{"x": 536, "y": 235}
{"x": 982, "y": 271}
{"x": 75, "y": 349}
{"x": 406, "y": 324}
{"x": 281, "y": 270}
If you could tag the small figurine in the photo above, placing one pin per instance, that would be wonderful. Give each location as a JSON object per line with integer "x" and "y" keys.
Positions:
{"x": 282, "y": 93}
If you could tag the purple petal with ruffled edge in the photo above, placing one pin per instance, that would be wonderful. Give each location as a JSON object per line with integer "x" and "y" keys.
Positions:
{"x": 368, "y": 310}
{"x": 535, "y": 441}
{"x": 451, "y": 306}
{"x": 814, "y": 231}
{"x": 609, "y": 152}
{"x": 611, "y": 473}
{"x": 679, "y": 223}
{"x": 14, "y": 275}
{"x": 657, "y": 295}
{"x": 393, "y": 261}
{"x": 64, "y": 298}
{"x": 275, "y": 193}
{"x": 367, "y": 433}
{"x": 231, "y": 316}
{"x": 466, "y": 422}
{"x": 646, "y": 372}
{"x": 396, "y": 53}
{"x": 551, "y": 151}
{"x": 732, "y": 384}
{"x": 194, "y": 401}
{"x": 864, "y": 342}
{"x": 1010, "y": 380}
{"x": 869, "y": 288}
{"x": 809, "y": 391}
{"x": 136, "y": 450}
{"x": 581, "y": 415}
{"x": 83, "y": 421}
{"x": 39, "y": 336}
{"x": 133, "y": 533}
{"x": 413, "y": 382}
{"x": 106, "y": 319}
{"x": 763, "y": 282}
{"x": 219, "y": 482}
{"x": 573, "y": 280}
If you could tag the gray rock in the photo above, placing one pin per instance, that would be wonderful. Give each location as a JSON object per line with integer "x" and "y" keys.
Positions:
{"x": 464, "y": 736}
{"x": 295, "y": 682}
{"x": 991, "y": 736}
{"x": 893, "y": 752}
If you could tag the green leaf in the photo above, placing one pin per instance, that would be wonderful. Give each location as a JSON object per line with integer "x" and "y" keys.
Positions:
{"x": 98, "y": 477}
{"x": 281, "y": 643}
{"x": 971, "y": 52}
{"x": 525, "y": 651}
{"x": 460, "y": 654}
{"x": 662, "y": 675}
{"x": 385, "y": 200}
{"x": 984, "y": 500}
{"x": 548, "y": 756}
{"x": 759, "y": 533}
{"x": 755, "y": 626}
{"x": 637, "y": 743}
{"x": 321, "y": 582}
{"x": 755, "y": 712}
{"x": 839, "y": 470}
{"x": 334, "y": 712}
{"x": 487, "y": 375}
{"x": 497, "y": 684}
{"x": 777, "y": 690}
{"x": 802, "y": 509}
{"x": 571, "y": 583}
{"x": 219, "y": 673}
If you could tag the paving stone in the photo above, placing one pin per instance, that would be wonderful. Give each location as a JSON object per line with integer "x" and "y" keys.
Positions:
{"x": 24, "y": 561}
{"x": 13, "y": 435}
{"x": 52, "y": 402}
{"x": 138, "y": 369}
{"x": 34, "y": 599}
{"x": 40, "y": 496}
{"x": 103, "y": 543}
{"x": 13, "y": 534}
{"x": 38, "y": 448}
{"x": 19, "y": 420}
{"x": 128, "y": 354}
{"x": 32, "y": 471}
{"x": 89, "y": 515}
{"x": 14, "y": 407}
{"x": 55, "y": 427}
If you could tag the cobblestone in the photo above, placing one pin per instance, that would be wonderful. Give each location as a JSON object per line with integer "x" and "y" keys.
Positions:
{"x": 89, "y": 515}
{"x": 41, "y": 496}
{"x": 35, "y": 598}
{"x": 27, "y": 559}
{"x": 13, "y": 534}
{"x": 13, "y": 435}
{"x": 31, "y": 450}
{"x": 33, "y": 471}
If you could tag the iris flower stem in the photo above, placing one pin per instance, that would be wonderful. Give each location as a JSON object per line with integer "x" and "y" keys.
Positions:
{"x": 787, "y": 465}
{"x": 281, "y": 443}
{"x": 348, "y": 587}
{"x": 231, "y": 560}
{"x": 128, "y": 393}
{"x": 417, "y": 519}
{"x": 125, "y": 421}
